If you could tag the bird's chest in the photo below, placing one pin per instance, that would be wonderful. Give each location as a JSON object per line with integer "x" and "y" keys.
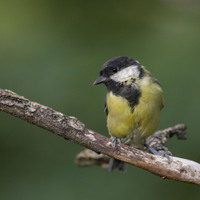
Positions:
{"x": 120, "y": 116}
{"x": 142, "y": 119}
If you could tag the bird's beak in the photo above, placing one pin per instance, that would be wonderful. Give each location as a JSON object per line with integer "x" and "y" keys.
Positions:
{"x": 101, "y": 79}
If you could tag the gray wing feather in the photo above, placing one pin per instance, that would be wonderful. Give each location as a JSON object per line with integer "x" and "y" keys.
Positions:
{"x": 105, "y": 107}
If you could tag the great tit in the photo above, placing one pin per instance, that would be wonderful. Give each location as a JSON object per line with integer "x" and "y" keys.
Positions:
{"x": 133, "y": 103}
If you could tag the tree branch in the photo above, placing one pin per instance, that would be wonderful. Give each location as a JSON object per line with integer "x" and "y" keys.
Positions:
{"x": 72, "y": 129}
{"x": 88, "y": 157}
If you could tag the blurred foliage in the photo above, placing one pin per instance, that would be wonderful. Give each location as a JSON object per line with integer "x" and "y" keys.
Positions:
{"x": 52, "y": 51}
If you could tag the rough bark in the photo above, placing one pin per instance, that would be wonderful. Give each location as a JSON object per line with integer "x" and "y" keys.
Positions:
{"x": 72, "y": 129}
{"x": 88, "y": 157}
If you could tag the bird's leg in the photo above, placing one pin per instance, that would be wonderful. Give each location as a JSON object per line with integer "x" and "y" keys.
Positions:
{"x": 115, "y": 141}
{"x": 114, "y": 163}
{"x": 161, "y": 153}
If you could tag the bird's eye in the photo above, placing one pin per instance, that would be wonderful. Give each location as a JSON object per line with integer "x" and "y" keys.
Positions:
{"x": 114, "y": 69}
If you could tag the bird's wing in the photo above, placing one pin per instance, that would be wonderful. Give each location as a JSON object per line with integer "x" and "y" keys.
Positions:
{"x": 162, "y": 103}
{"x": 105, "y": 107}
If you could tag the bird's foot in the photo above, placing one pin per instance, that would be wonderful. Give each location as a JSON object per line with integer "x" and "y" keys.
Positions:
{"x": 165, "y": 154}
{"x": 115, "y": 141}
{"x": 114, "y": 163}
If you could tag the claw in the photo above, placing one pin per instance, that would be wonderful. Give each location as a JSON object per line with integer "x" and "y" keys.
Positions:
{"x": 115, "y": 141}
{"x": 114, "y": 163}
{"x": 165, "y": 154}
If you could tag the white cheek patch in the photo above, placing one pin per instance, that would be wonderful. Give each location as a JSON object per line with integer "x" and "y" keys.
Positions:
{"x": 125, "y": 74}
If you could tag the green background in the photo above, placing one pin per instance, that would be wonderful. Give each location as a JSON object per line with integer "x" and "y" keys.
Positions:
{"x": 51, "y": 52}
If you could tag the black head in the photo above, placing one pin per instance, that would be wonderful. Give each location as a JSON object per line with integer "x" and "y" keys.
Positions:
{"x": 114, "y": 65}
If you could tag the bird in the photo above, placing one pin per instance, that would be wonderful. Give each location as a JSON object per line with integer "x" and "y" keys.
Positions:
{"x": 133, "y": 103}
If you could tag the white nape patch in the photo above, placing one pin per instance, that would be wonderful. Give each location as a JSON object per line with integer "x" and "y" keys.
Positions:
{"x": 145, "y": 81}
{"x": 126, "y": 73}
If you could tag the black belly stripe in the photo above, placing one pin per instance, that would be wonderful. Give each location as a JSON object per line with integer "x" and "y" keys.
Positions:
{"x": 133, "y": 99}
{"x": 131, "y": 94}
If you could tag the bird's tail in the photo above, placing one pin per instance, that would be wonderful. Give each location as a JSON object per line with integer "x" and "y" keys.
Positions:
{"x": 116, "y": 164}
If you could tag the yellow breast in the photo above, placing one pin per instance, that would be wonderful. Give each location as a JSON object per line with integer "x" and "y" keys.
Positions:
{"x": 122, "y": 121}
